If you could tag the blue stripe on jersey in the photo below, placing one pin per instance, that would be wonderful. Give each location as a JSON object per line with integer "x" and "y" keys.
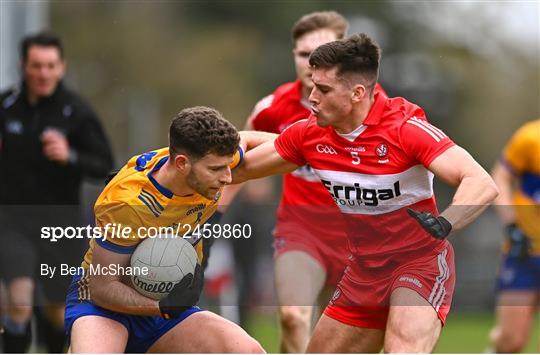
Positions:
{"x": 530, "y": 185}
{"x": 165, "y": 191}
{"x": 115, "y": 247}
{"x": 152, "y": 199}
{"x": 149, "y": 205}
{"x": 508, "y": 166}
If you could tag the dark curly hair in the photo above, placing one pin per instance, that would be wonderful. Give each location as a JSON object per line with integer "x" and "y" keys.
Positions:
{"x": 198, "y": 131}
{"x": 357, "y": 54}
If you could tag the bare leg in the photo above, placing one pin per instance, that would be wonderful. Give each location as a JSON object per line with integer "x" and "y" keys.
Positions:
{"x": 331, "y": 336}
{"x": 206, "y": 332}
{"x": 515, "y": 314}
{"x": 413, "y": 325}
{"x": 95, "y": 334}
{"x": 299, "y": 280}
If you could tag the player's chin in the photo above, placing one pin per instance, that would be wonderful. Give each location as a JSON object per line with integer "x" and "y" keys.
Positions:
{"x": 321, "y": 122}
{"x": 212, "y": 192}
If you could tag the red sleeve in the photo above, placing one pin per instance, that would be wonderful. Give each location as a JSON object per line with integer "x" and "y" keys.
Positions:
{"x": 422, "y": 141}
{"x": 289, "y": 143}
{"x": 260, "y": 118}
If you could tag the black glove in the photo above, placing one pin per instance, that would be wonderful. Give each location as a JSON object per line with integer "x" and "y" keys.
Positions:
{"x": 208, "y": 242}
{"x": 438, "y": 227}
{"x": 520, "y": 245}
{"x": 184, "y": 295}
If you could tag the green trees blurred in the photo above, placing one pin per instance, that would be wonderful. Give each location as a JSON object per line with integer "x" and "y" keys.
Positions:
{"x": 228, "y": 54}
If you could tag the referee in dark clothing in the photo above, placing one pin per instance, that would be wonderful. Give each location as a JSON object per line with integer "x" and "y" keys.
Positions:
{"x": 50, "y": 139}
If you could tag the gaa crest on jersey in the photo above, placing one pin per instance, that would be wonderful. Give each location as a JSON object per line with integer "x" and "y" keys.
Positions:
{"x": 325, "y": 149}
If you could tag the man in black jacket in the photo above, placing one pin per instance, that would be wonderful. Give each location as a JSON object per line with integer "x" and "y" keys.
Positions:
{"x": 50, "y": 139}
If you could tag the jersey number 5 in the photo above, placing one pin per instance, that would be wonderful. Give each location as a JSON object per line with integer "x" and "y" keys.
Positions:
{"x": 355, "y": 158}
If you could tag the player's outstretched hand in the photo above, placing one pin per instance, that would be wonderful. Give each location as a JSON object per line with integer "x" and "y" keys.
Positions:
{"x": 520, "y": 245}
{"x": 438, "y": 227}
{"x": 184, "y": 295}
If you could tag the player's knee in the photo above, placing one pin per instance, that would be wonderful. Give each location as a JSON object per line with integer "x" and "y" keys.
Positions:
{"x": 294, "y": 317}
{"x": 20, "y": 313}
{"x": 509, "y": 342}
{"x": 251, "y": 346}
{"x": 405, "y": 340}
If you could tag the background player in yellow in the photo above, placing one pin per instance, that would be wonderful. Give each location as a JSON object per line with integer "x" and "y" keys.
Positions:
{"x": 517, "y": 174}
{"x": 180, "y": 185}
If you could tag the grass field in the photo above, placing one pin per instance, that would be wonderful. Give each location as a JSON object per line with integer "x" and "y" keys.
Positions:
{"x": 464, "y": 333}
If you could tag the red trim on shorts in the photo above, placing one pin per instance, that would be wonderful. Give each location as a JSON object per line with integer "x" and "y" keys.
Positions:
{"x": 352, "y": 316}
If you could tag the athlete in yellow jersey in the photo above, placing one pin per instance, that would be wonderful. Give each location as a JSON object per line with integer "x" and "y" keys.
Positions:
{"x": 179, "y": 186}
{"x": 517, "y": 175}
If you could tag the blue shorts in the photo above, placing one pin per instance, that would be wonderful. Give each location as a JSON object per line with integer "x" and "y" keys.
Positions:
{"x": 143, "y": 330}
{"x": 515, "y": 274}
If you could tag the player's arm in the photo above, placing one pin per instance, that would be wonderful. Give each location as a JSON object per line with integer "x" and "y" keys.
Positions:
{"x": 253, "y": 139}
{"x": 505, "y": 181}
{"x": 110, "y": 292}
{"x": 475, "y": 188}
{"x": 262, "y": 161}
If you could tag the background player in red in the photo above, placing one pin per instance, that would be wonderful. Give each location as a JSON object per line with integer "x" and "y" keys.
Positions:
{"x": 310, "y": 243}
{"x": 377, "y": 156}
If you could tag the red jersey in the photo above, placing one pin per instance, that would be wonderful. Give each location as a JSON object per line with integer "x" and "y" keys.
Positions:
{"x": 274, "y": 113}
{"x": 374, "y": 173}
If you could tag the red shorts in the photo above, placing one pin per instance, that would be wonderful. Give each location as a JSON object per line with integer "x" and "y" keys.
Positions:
{"x": 324, "y": 240}
{"x": 362, "y": 298}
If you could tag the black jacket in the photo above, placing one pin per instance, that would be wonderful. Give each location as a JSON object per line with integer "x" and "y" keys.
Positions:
{"x": 26, "y": 175}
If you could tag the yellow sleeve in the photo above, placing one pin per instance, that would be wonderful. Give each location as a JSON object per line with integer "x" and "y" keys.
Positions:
{"x": 119, "y": 224}
{"x": 516, "y": 154}
{"x": 237, "y": 158}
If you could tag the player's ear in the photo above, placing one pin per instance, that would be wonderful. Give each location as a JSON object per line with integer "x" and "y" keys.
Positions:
{"x": 358, "y": 93}
{"x": 181, "y": 162}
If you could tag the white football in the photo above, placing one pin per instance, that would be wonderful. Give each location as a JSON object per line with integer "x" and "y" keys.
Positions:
{"x": 168, "y": 259}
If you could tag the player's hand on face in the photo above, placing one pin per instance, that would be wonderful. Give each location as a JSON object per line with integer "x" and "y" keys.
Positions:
{"x": 520, "y": 245}
{"x": 438, "y": 227}
{"x": 55, "y": 146}
{"x": 184, "y": 295}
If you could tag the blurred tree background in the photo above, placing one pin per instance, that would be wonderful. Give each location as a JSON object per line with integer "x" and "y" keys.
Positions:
{"x": 144, "y": 61}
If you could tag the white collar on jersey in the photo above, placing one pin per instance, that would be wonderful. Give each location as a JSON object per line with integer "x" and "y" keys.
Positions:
{"x": 351, "y": 136}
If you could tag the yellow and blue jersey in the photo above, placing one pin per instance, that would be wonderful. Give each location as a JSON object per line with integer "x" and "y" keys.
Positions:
{"x": 521, "y": 157}
{"x": 133, "y": 202}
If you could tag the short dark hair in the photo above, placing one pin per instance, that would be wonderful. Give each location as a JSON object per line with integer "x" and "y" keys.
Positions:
{"x": 319, "y": 20}
{"x": 198, "y": 131}
{"x": 358, "y": 54}
{"x": 45, "y": 39}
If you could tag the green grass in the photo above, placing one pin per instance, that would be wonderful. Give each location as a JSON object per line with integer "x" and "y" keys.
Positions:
{"x": 463, "y": 333}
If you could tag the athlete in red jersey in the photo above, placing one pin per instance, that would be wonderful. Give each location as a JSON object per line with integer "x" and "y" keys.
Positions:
{"x": 376, "y": 157}
{"x": 309, "y": 236}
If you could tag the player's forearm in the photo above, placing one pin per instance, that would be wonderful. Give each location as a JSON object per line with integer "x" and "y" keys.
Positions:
{"x": 118, "y": 297}
{"x": 253, "y": 139}
{"x": 473, "y": 196}
{"x": 503, "y": 203}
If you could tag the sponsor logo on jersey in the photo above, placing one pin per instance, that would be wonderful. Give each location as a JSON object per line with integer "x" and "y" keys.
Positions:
{"x": 325, "y": 149}
{"x": 356, "y": 149}
{"x": 412, "y": 280}
{"x": 356, "y": 195}
{"x": 197, "y": 208}
{"x": 336, "y": 295}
